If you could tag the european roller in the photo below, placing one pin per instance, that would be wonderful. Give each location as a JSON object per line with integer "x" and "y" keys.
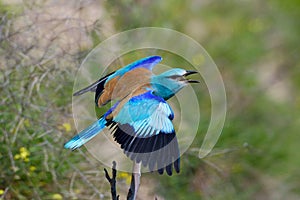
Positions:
{"x": 140, "y": 119}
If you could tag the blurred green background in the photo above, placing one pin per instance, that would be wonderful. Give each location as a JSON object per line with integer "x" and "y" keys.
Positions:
{"x": 256, "y": 46}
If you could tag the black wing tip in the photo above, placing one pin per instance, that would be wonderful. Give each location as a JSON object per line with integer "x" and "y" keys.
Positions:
{"x": 94, "y": 87}
{"x": 82, "y": 91}
{"x": 140, "y": 149}
{"x": 77, "y": 93}
{"x": 161, "y": 171}
{"x": 169, "y": 168}
{"x": 177, "y": 165}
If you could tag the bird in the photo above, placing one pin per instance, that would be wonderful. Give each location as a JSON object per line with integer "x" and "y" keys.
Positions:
{"x": 140, "y": 120}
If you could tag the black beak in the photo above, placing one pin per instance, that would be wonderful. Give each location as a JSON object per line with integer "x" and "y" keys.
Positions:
{"x": 189, "y": 72}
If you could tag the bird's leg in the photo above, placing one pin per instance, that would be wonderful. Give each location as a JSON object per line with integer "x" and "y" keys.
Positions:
{"x": 137, "y": 175}
{"x": 135, "y": 181}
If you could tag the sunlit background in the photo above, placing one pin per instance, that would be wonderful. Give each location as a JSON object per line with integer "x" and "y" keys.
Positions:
{"x": 256, "y": 46}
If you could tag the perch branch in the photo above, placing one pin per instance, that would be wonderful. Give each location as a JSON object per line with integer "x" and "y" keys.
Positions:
{"x": 112, "y": 181}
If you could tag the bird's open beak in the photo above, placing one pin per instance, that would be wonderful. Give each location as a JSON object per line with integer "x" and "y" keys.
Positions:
{"x": 189, "y": 72}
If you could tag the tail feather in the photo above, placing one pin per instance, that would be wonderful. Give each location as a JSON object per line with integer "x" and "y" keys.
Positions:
{"x": 86, "y": 135}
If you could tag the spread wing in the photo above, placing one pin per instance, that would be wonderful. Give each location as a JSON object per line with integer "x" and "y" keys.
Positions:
{"x": 143, "y": 127}
{"x": 119, "y": 84}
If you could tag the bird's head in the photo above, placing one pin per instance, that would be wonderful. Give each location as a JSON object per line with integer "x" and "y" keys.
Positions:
{"x": 170, "y": 82}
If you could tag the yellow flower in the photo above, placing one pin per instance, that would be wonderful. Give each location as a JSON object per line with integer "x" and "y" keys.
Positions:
{"x": 24, "y": 153}
{"x": 32, "y": 168}
{"x": 57, "y": 196}
{"x": 125, "y": 176}
{"x": 22, "y": 149}
{"x": 1, "y": 191}
{"x": 67, "y": 127}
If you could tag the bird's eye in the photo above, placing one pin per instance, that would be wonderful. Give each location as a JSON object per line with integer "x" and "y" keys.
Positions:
{"x": 176, "y": 77}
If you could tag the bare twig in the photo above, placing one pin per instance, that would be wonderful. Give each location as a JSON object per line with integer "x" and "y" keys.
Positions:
{"x": 134, "y": 185}
{"x": 84, "y": 178}
{"x": 10, "y": 154}
{"x": 112, "y": 181}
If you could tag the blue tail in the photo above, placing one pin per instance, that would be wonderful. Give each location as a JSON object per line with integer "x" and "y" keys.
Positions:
{"x": 86, "y": 135}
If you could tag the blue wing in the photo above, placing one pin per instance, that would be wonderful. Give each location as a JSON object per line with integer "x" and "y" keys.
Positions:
{"x": 145, "y": 131}
{"x": 148, "y": 63}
